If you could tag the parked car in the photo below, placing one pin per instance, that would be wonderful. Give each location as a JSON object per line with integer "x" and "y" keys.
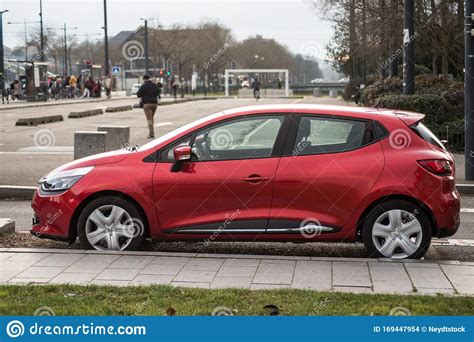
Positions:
{"x": 317, "y": 80}
{"x": 263, "y": 173}
{"x": 245, "y": 84}
{"x": 135, "y": 88}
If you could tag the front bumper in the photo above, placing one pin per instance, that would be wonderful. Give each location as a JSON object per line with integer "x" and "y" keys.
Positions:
{"x": 52, "y": 215}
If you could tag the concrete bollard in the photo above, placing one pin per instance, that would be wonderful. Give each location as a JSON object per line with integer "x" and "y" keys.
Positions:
{"x": 316, "y": 92}
{"x": 117, "y": 136}
{"x": 333, "y": 93}
{"x": 89, "y": 143}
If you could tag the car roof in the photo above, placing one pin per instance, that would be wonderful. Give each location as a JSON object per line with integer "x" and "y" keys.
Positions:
{"x": 350, "y": 111}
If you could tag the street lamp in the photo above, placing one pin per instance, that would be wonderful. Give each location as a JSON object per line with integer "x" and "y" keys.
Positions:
{"x": 106, "y": 41}
{"x": 469, "y": 89}
{"x": 2, "y": 58}
{"x": 42, "y": 57}
{"x": 146, "y": 46}
{"x": 24, "y": 23}
{"x": 64, "y": 29}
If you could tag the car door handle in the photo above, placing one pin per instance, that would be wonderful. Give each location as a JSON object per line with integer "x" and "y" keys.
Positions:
{"x": 256, "y": 179}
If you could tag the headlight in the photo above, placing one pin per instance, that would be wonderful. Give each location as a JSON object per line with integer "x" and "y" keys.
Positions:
{"x": 62, "y": 181}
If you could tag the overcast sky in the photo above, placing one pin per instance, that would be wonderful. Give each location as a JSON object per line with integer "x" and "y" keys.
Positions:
{"x": 293, "y": 23}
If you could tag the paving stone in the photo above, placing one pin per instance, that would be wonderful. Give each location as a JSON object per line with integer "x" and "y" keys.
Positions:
{"x": 4, "y": 256}
{"x": 434, "y": 291}
{"x": 203, "y": 264}
{"x": 388, "y": 272}
{"x": 195, "y": 276}
{"x": 6, "y": 276}
{"x": 110, "y": 282}
{"x": 150, "y": 279}
{"x": 14, "y": 266}
{"x": 353, "y": 289}
{"x": 393, "y": 287}
{"x": 73, "y": 278}
{"x": 131, "y": 261}
{"x": 170, "y": 260}
{"x": 40, "y": 272}
{"x": 161, "y": 269}
{"x": 92, "y": 264}
{"x": 351, "y": 274}
{"x": 28, "y": 257}
{"x": 29, "y": 280}
{"x": 117, "y": 274}
{"x": 429, "y": 278}
{"x": 188, "y": 284}
{"x": 273, "y": 275}
{"x": 60, "y": 260}
{"x": 315, "y": 275}
{"x": 237, "y": 271}
{"x": 268, "y": 286}
{"x": 241, "y": 262}
{"x": 461, "y": 277}
{"x": 231, "y": 282}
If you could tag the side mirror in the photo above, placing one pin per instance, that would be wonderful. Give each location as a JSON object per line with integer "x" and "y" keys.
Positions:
{"x": 180, "y": 154}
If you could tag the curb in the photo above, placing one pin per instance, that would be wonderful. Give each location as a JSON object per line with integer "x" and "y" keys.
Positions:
{"x": 7, "y": 226}
{"x": 60, "y": 103}
{"x": 38, "y": 120}
{"x": 85, "y": 113}
{"x": 186, "y": 99}
{"x": 465, "y": 189}
{"x": 15, "y": 192}
{"x": 118, "y": 109}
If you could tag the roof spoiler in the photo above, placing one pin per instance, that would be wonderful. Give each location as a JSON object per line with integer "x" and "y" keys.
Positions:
{"x": 409, "y": 118}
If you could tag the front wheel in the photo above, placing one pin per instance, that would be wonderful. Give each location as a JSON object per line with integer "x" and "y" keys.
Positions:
{"x": 111, "y": 223}
{"x": 397, "y": 229}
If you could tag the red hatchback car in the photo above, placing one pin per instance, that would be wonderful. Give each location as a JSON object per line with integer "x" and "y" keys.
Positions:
{"x": 272, "y": 173}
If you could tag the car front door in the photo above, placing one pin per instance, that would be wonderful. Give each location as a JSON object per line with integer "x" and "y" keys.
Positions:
{"x": 228, "y": 183}
{"x": 329, "y": 165}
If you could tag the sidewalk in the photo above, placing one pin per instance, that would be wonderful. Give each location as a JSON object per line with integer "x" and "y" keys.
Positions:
{"x": 25, "y": 266}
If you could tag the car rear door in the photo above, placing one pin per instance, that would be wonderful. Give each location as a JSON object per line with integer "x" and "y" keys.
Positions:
{"x": 329, "y": 165}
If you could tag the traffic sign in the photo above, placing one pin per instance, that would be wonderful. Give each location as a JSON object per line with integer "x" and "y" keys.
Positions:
{"x": 115, "y": 70}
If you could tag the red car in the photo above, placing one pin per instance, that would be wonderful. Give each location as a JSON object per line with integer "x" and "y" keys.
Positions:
{"x": 272, "y": 173}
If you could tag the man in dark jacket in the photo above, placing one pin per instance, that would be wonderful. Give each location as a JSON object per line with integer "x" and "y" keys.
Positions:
{"x": 148, "y": 94}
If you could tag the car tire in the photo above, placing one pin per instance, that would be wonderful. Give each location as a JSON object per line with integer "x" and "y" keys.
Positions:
{"x": 111, "y": 223}
{"x": 397, "y": 229}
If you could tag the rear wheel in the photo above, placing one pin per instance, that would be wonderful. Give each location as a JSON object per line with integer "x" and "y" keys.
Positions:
{"x": 397, "y": 229}
{"x": 111, "y": 223}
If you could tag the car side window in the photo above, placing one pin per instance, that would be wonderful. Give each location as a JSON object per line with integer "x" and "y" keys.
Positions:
{"x": 244, "y": 138}
{"x": 318, "y": 135}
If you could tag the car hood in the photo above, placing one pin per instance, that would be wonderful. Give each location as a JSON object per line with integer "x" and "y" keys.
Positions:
{"x": 97, "y": 159}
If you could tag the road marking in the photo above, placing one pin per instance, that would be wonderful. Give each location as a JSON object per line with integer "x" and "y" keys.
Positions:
{"x": 164, "y": 124}
{"x": 68, "y": 149}
{"x": 31, "y": 153}
{"x": 467, "y": 210}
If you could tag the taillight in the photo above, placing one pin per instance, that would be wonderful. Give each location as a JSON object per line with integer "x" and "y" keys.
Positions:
{"x": 440, "y": 167}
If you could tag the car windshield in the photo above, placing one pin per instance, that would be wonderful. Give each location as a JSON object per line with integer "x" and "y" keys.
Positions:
{"x": 178, "y": 131}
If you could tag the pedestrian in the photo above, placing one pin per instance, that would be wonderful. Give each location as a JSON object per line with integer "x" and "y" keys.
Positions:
{"x": 72, "y": 86}
{"x": 16, "y": 90}
{"x": 108, "y": 86}
{"x": 97, "y": 88}
{"x": 148, "y": 95}
{"x": 88, "y": 87}
{"x": 256, "y": 89}
{"x": 174, "y": 88}
{"x": 160, "y": 88}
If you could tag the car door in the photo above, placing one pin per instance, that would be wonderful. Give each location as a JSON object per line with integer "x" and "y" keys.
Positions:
{"x": 329, "y": 165}
{"x": 228, "y": 183}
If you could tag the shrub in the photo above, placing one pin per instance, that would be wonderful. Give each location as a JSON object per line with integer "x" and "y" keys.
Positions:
{"x": 382, "y": 87}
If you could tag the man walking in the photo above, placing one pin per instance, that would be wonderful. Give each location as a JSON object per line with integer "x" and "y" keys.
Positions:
{"x": 148, "y": 94}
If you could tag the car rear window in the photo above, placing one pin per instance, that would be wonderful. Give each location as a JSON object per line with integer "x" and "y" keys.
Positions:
{"x": 427, "y": 135}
